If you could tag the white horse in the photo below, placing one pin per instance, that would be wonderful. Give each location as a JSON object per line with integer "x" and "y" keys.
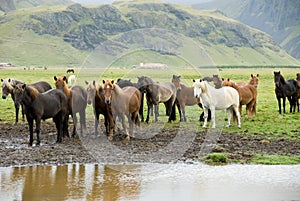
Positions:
{"x": 71, "y": 80}
{"x": 217, "y": 99}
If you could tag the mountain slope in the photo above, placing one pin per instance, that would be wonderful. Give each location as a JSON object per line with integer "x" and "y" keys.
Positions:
{"x": 279, "y": 18}
{"x": 66, "y": 35}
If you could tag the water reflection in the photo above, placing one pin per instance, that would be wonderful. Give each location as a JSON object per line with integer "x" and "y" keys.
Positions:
{"x": 150, "y": 182}
{"x": 88, "y": 182}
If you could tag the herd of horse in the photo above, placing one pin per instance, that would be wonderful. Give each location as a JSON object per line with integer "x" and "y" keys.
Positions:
{"x": 121, "y": 99}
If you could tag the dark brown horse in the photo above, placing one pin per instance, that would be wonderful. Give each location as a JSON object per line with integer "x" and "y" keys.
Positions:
{"x": 184, "y": 97}
{"x": 95, "y": 96}
{"x": 77, "y": 101}
{"x": 285, "y": 89}
{"x": 8, "y": 86}
{"x": 159, "y": 93}
{"x": 124, "y": 102}
{"x": 41, "y": 106}
{"x": 247, "y": 94}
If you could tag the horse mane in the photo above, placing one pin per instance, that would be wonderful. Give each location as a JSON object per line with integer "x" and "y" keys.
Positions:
{"x": 117, "y": 89}
{"x": 33, "y": 92}
{"x": 66, "y": 90}
{"x": 10, "y": 82}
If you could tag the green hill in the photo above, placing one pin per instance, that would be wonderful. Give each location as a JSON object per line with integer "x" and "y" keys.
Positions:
{"x": 278, "y": 18}
{"x": 128, "y": 33}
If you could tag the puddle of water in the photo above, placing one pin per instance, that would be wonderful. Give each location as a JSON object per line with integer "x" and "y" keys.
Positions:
{"x": 150, "y": 182}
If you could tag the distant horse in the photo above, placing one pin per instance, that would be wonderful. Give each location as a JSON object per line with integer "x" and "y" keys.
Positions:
{"x": 159, "y": 93}
{"x": 253, "y": 81}
{"x": 77, "y": 101}
{"x": 184, "y": 97}
{"x": 125, "y": 83}
{"x": 285, "y": 88}
{"x": 41, "y": 106}
{"x": 71, "y": 80}
{"x": 124, "y": 102}
{"x": 8, "y": 86}
{"x": 70, "y": 70}
{"x": 248, "y": 96}
{"x": 217, "y": 99}
{"x": 95, "y": 96}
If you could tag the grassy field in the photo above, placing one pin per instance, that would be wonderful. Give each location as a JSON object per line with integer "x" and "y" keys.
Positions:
{"x": 268, "y": 121}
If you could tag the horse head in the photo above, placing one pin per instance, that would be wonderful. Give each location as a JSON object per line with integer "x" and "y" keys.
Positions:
{"x": 7, "y": 87}
{"x": 278, "y": 79}
{"x": 254, "y": 80}
{"x": 176, "y": 82}
{"x": 18, "y": 92}
{"x": 60, "y": 82}
{"x": 227, "y": 82}
{"x": 91, "y": 91}
{"x": 108, "y": 90}
{"x": 144, "y": 82}
{"x": 198, "y": 87}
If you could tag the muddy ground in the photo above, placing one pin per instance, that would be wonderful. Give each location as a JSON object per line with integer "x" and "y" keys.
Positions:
{"x": 159, "y": 143}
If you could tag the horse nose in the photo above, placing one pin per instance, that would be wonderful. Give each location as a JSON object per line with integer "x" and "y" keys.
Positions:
{"x": 3, "y": 97}
{"x": 89, "y": 102}
{"x": 107, "y": 101}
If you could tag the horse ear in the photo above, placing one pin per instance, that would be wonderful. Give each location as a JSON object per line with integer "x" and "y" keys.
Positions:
{"x": 223, "y": 79}
{"x": 257, "y": 75}
{"x": 251, "y": 75}
{"x": 94, "y": 82}
{"x": 228, "y": 79}
{"x": 23, "y": 86}
{"x": 1, "y": 80}
{"x": 55, "y": 78}
{"x": 194, "y": 80}
{"x": 8, "y": 79}
{"x": 118, "y": 80}
{"x": 86, "y": 82}
{"x": 65, "y": 78}
{"x": 103, "y": 81}
{"x": 112, "y": 81}
{"x": 179, "y": 76}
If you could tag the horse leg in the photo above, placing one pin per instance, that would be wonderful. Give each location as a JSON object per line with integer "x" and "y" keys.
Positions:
{"x": 179, "y": 109}
{"x": 30, "y": 125}
{"x": 58, "y": 124}
{"x": 17, "y": 107}
{"x": 183, "y": 112}
{"x": 228, "y": 110}
{"x": 172, "y": 114}
{"x": 38, "y": 130}
{"x": 124, "y": 125}
{"x": 74, "y": 125}
{"x": 23, "y": 112}
{"x": 65, "y": 126}
{"x": 156, "y": 112}
{"x": 141, "y": 110}
{"x": 82, "y": 121}
{"x": 205, "y": 110}
{"x": 238, "y": 115}
{"x": 96, "y": 122}
{"x": 279, "y": 104}
{"x": 213, "y": 117}
{"x": 283, "y": 104}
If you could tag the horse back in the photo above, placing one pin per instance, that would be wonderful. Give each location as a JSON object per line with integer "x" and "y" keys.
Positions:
{"x": 133, "y": 96}
{"x": 186, "y": 95}
{"x": 41, "y": 86}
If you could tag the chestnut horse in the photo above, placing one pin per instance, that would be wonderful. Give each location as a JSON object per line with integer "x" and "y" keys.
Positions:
{"x": 8, "y": 86}
{"x": 95, "y": 96}
{"x": 247, "y": 94}
{"x": 41, "y": 106}
{"x": 253, "y": 81}
{"x": 124, "y": 102}
{"x": 77, "y": 101}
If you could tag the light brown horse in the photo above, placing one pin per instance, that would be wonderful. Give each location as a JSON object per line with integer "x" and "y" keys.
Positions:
{"x": 184, "y": 97}
{"x": 124, "y": 102}
{"x": 248, "y": 96}
{"x": 95, "y": 96}
{"x": 77, "y": 101}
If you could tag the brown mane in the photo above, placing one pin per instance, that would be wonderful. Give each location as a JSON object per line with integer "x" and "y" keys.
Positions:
{"x": 33, "y": 92}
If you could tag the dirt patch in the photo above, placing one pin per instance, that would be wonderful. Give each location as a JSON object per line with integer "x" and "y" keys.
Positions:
{"x": 155, "y": 143}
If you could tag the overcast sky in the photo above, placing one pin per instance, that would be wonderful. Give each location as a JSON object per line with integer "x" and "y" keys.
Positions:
{"x": 189, "y": 2}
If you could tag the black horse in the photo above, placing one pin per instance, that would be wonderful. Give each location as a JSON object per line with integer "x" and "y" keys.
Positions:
{"x": 285, "y": 89}
{"x": 41, "y": 106}
{"x": 8, "y": 86}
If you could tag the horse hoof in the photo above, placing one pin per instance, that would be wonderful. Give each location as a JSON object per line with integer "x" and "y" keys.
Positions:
{"x": 110, "y": 138}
